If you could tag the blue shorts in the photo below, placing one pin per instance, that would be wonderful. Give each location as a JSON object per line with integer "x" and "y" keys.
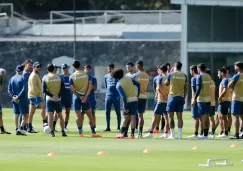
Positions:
{"x": 22, "y": 107}
{"x": 203, "y": 108}
{"x": 194, "y": 111}
{"x": 212, "y": 111}
{"x": 142, "y": 105}
{"x": 154, "y": 104}
{"x": 132, "y": 107}
{"x": 175, "y": 104}
{"x": 78, "y": 105}
{"x": 224, "y": 107}
{"x": 236, "y": 107}
{"x": 52, "y": 106}
{"x": 1, "y": 112}
{"x": 67, "y": 102}
{"x": 35, "y": 101}
{"x": 160, "y": 109}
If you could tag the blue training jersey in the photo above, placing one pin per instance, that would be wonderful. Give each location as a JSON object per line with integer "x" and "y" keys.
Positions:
{"x": 66, "y": 92}
{"x": 18, "y": 87}
{"x": 92, "y": 93}
{"x": 110, "y": 85}
{"x": 155, "y": 82}
{"x": 26, "y": 75}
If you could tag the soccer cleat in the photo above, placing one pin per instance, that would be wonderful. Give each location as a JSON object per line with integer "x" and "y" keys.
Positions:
{"x": 64, "y": 134}
{"x": 193, "y": 137}
{"x": 118, "y": 130}
{"x": 139, "y": 136}
{"x": 148, "y": 135}
{"x": 45, "y": 124}
{"x": 18, "y": 132}
{"x": 222, "y": 136}
{"x": 146, "y": 131}
{"x": 165, "y": 135}
{"x": 32, "y": 131}
{"x": 200, "y": 136}
{"x": 171, "y": 137}
{"x": 241, "y": 134}
{"x": 179, "y": 137}
{"x": 121, "y": 136}
{"x": 235, "y": 137}
{"x": 212, "y": 136}
{"x": 203, "y": 137}
{"x": 107, "y": 130}
{"x": 132, "y": 137}
{"x": 81, "y": 135}
{"x": 5, "y": 132}
{"x": 155, "y": 131}
{"x": 66, "y": 130}
{"x": 96, "y": 136}
{"x": 52, "y": 133}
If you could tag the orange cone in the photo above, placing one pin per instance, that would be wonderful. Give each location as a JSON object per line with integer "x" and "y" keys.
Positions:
{"x": 101, "y": 153}
{"x": 51, "y": 154}
{"x": 146, "y": 151}
{"x": 196, "y": 148}
{"x": 234, "y": 146}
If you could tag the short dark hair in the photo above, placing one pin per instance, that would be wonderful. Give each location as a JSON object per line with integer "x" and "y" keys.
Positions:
{"x": 87, "y": 66}
{"x": 239, "y": 64}
{"x": 207, "y": 70}
{"x": 117, "y": 74}
{"x": 76, "y": 64}
{"x": 167, "y": 64}
{"x": 227, "y": 68}
{"x": 223, "y": 70}
{"x": 178, "y": 65}
{"x": 163, "y": 68}
{"x": 202, "y": 67}
{"x": 139, "y": 63}
{"x": 130, "y": 63}
{"x": 158, "y": 66}
{"x": 28, "y": 61}
{"x": 50, "y": 67}
{"x": 194, "y": 68}
{"x": 111, "y": 65}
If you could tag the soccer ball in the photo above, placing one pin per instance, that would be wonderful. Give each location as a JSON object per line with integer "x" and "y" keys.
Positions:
{"x": 47, "y": 129}
{"x": 2, "y": 72}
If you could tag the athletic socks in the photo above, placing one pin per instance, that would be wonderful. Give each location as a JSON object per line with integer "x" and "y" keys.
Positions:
{"x": 221, "y": 132}
{"x": 66, "y": 124}
{"x": 213, "y": 131}
{"x": 196, "y": 133}
{"x": 30, "y": 126}
{"x": 201, "y": 133}
{"x": 205, "y": 132}
{"x": 133, "y": 131}
{"x": 93, "y": 130}
{"x": 44, "y": 121}
{"x": 140, "y": 130}
{"x": 180, "y": 132}
{"x": 172, "y": 131}
{"x": 80, "y": 130}
{"x": 163, "y": 124}
{"x": 226, "y": 133}
{"x": 123, "y": 130}
{"x": 126, "y": 131}
{"x": 54, "y": 125}
{"x": 2, "y": 128}
{"x": 241, "y": 129}
{"x": 229, "y": 129}
{"x": 157, "y": 128}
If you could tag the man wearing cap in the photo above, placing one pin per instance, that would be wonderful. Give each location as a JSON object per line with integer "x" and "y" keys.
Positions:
{"x": 17, "y": 90}
{"x": 35, "y": 96}
{"x": 66, "y": 94}
{"x": 55, "y": 68}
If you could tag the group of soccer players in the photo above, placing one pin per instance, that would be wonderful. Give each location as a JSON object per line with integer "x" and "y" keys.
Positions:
{"x": 53, "y": 92}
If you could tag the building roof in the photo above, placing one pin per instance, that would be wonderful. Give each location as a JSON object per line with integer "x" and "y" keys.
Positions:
{"x": 234, "y": 3}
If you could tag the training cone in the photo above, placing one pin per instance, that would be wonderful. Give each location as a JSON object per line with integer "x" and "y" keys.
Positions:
{"x": 234, "y": 146}
{"x": 196, "y": 148}
{"x": 147, "y": 151}
{"x": 51, "y": 154}
{"x": 101, "y": 153}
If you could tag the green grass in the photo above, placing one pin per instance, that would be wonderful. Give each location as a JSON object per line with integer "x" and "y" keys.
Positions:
{"x": 74, "y": 153}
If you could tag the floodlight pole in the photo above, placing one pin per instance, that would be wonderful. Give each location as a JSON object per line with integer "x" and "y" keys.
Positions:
{"x": 74, "y": 29}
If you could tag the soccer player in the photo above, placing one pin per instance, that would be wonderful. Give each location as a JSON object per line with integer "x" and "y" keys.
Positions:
{"x": 35, "y": 95}
{"x": 3, "y": 131}
{"x": 112, "y": 97}
{"x": 129, "y": 90}
{"x": 194, "y": 109}
{"x": 17, "y": 90}
{"x": 130, "y": 69}
{"x": 81, "y": 86}
{"x": 168, "y": 68}
{"x": 66, "y": 95}
{"x": 236, "y": 84}
{"x": 212, "y": 106}
{"x": 160, "y": 108}
{"x": 52, "y": 86}
{"x": 55, "y": 68}
{"x": 142, "y": 77}
{"x": 203, "y": 98}
{"x": 224, "y": 101}
{"x": 92, "y": 99}
{"x": 177, "y": 82}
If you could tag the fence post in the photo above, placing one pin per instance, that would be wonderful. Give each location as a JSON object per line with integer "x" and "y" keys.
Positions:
{"x": 160, "y": 17}
{"x": 105, "y": 15}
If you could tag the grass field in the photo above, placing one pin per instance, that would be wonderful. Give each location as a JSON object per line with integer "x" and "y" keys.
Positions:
{"x": 73, "y": 153}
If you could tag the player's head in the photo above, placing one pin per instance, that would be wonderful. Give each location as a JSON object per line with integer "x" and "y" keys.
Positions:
{"x": 163, "y": 69}
{"x": 158, "y": 69}
{"x": 239, "y": 66}
{"x": 222, "y": 72}
{"x": 139, "y": 65}
{"x": 201, "y": 68}
{"x": 65, "y": 68}
{"x": 117, "y": 74}
{"x": 193, "y": 70}
{"x": 208, "y": 71}
{"x": 50, "y": 67}
{"x": 110, "y": 67}
{"x": 55, "y": 68}
{"x": 168, "y": 67}
{"x": 178, "y": 66}
{"x": 76, "y": 64}
{"x": 19, "y": 69}
{"x": 130, "y": 67}
{"x": 28, "y": 64}
{"x": 87, "y": 68}
{"x": 37, "y": 67}
{"x": 2, "y": 73}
